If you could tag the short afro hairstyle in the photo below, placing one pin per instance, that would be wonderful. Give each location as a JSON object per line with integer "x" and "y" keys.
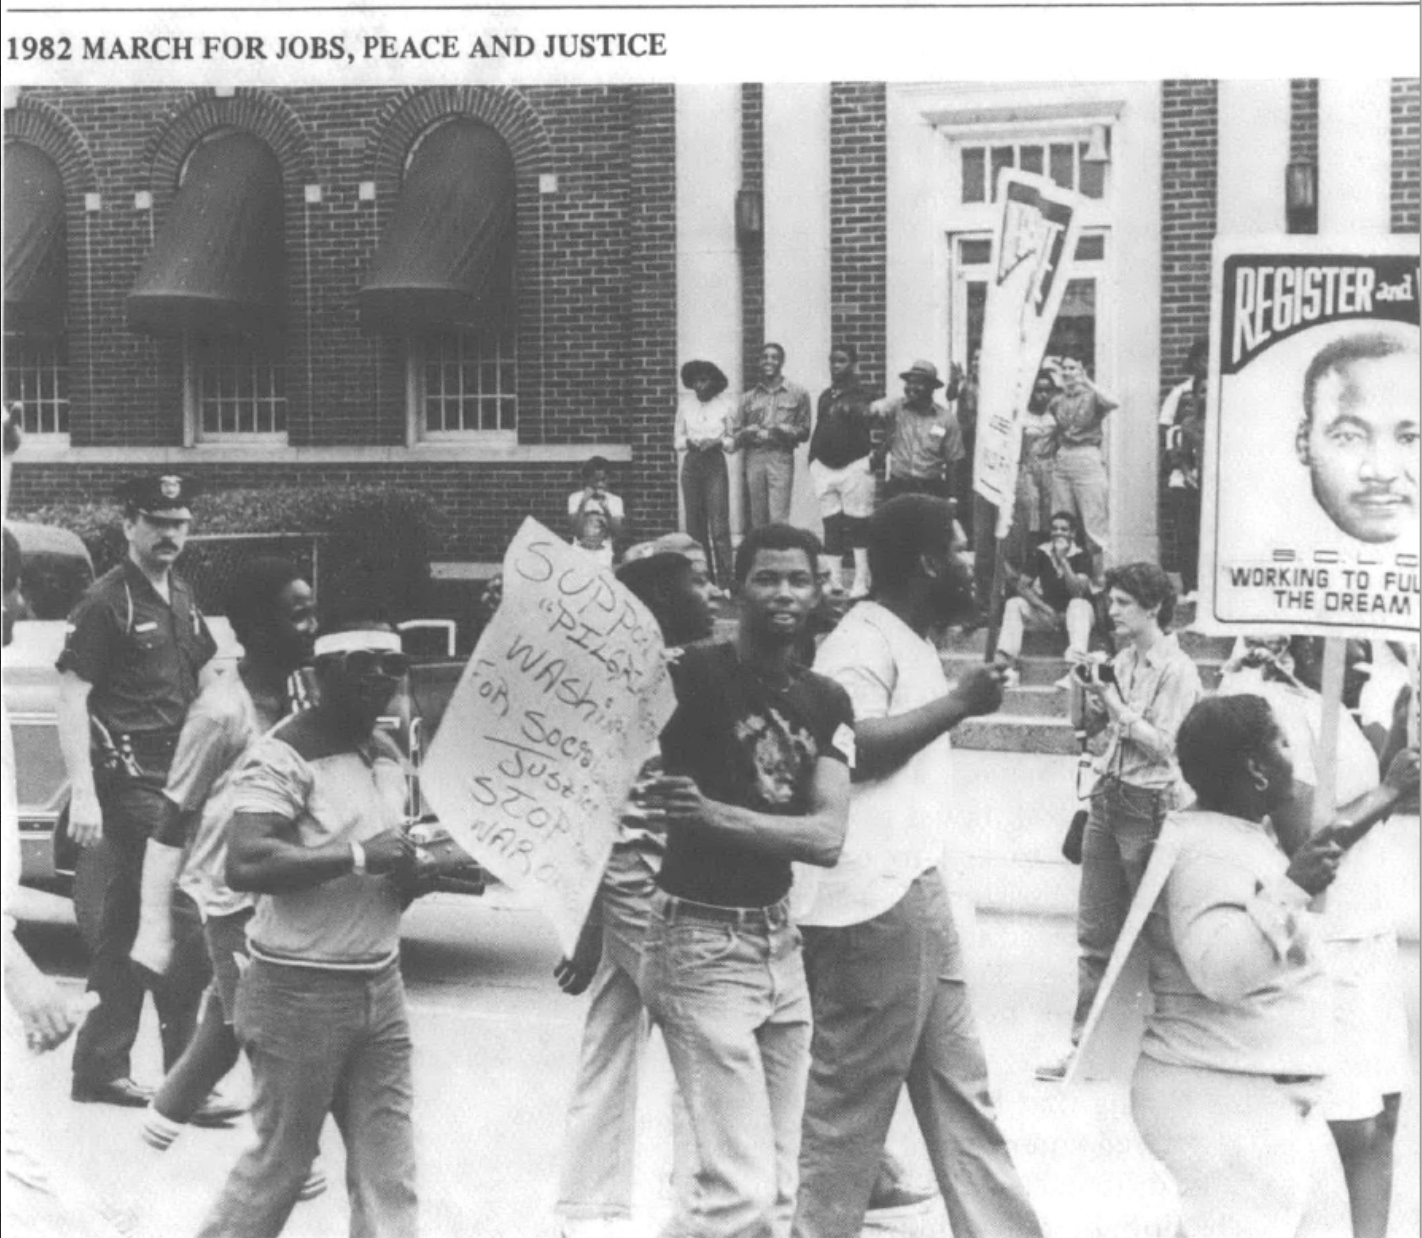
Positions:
{"x": 776, "y": 537}
{"x": 1217, "y": 737}
{"x": 253, "y": 592}
{"x": 1149, "y": 585}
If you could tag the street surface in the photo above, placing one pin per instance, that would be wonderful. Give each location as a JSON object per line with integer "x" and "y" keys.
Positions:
{"x": 495, "y": 1049}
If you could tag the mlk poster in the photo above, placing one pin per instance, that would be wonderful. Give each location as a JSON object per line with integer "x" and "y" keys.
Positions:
{"x": 561, "y": 701}
{"x": 1311, "y": 459}
{"x": 1031, "y": 255}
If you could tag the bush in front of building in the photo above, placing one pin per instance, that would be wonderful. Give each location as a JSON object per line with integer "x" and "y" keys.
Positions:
{"x": 372, "y": 539}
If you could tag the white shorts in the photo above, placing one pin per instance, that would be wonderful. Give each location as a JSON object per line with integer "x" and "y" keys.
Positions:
{"x": 1370, "y": 1023}
{"x": 849, "y": 490}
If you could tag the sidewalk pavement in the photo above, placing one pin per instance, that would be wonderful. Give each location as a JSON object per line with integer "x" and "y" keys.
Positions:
{"x": 495, "y": 1049}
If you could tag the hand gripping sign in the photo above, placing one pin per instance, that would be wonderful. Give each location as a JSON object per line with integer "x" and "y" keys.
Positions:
{"x": 549, "y": 724}
{"x": 1310, "y": 521}
{"x": 1032, "y": 251}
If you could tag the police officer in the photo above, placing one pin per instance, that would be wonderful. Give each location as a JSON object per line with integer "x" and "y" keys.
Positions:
{"x": 135, "y": 648}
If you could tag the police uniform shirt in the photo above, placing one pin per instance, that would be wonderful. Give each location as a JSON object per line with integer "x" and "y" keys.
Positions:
{"x": 141, "y": 654}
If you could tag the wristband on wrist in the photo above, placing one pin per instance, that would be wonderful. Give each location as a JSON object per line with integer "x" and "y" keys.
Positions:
{"x": 357, "y": 858}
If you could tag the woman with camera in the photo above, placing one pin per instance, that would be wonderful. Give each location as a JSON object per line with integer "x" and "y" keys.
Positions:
{"x": 1140, "y": 698}
{"x": 1241, "y": 1034}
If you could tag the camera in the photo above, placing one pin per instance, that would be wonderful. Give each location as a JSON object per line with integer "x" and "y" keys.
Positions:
{"x": 1095, "y": 672}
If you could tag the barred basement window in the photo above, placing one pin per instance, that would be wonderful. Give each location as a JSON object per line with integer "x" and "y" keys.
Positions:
{"x": 464, "y": 383}
{"x": 236, "y": 390}
{"x": 37, "y": 375}
{"x": 1064, "y": 162}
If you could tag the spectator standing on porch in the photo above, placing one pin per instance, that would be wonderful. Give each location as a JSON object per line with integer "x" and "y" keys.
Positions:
{"x": 1079, "y": 472}
{"x": 774, "y": 420}
{"x": 840, "y": 465}
{"x": 705, "y": 431}
{"x": 921, "y": 437}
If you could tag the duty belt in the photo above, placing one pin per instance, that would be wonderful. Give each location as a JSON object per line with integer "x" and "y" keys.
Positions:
{"x": 132, "y": 754}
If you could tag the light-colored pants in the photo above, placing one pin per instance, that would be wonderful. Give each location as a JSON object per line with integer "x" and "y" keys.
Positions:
{"x": 848, "y": 491}
{"x": 1249, "y": 1155}
{"x": 891, "y": 1009}
{"x": 323, "y": 1042}
{"x": 1079, "y": 486}
{"x": 1020, "y": 616}
{"x": 770, "y": 475}
{"x": 730, "y": 998}
{"x": 601, "y": 1138}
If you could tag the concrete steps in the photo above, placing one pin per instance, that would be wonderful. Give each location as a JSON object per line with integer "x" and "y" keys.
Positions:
{"x": 1033, "y": 717}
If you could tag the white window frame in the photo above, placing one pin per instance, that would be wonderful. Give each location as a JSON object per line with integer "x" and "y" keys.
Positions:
{"x": 416, "y": 394}
{"x": 194, "y": 434}
{"x": 14, "y": 341}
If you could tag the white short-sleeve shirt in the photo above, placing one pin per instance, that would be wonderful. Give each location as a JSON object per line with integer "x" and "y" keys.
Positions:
{"x": 896, "y": 823}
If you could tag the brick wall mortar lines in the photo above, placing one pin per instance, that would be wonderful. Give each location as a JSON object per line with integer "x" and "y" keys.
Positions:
{"x": 1188, "y": 205}
{"x": 1406, "y": 178}
{"x": 859, "y": 222}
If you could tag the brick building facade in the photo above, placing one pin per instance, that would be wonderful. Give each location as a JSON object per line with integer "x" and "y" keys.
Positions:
{"x": 630, "y": 257}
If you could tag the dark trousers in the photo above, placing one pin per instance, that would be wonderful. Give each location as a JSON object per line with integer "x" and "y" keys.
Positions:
{"x": 131, "y": 809}
{"x": 705, "y": 489}
{"x": 891, "y": 1010}
{"x": 1185, "y": 503}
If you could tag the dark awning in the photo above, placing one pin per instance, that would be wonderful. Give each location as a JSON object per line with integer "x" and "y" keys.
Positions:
{"x": 446, "y": 257}
{"x": 218, "y": 265}
{"x": 34, "y": 242}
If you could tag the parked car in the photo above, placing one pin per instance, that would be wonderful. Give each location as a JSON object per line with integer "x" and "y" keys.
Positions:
{"x": 49, "y": 859}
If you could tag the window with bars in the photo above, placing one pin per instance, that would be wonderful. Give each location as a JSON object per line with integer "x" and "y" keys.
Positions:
{"x": 1064, "y": 162}
{"x": 37, "y": 376}
{"x": 464, "y": 383}
{"x": 236, "y": 390}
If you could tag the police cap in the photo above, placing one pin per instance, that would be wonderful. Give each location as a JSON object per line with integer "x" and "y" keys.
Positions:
{"x": 158, "y": 494}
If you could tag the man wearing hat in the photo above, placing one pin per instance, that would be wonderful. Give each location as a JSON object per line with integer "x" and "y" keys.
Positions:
{"x": 922, "y": 438}
{"x": 134, "y": 649}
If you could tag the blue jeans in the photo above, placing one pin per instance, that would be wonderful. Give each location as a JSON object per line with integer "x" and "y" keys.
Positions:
{"x": 601, "y": 1136}
{"x": 323, "y": 1042}
{"x": 892, "y": 1009}
{"x": 727, "y": 987}
{"x": 1121, "y": 830}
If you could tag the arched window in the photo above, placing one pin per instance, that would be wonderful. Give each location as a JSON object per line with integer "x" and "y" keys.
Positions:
{"x": 443, "y": 278}
{"x": 36, "y": 357}
{"x": 217, "y": 277}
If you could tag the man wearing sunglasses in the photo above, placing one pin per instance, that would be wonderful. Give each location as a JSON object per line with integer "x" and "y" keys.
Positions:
{"x": 316, "y": 832}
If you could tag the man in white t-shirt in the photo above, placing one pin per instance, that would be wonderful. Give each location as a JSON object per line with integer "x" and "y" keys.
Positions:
{"x": 883, "y": 958}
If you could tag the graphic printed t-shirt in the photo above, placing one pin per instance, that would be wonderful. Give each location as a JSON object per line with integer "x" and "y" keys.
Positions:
{"x": 752, "y": 744}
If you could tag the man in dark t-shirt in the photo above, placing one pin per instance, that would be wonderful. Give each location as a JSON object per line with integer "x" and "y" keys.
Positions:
{"x": 756, "y": 760}
{"x": 1052, "y": 594}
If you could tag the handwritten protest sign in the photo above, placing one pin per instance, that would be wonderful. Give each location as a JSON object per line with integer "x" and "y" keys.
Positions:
{"x": 551, "y": 720}
{"x": 1032, "y": 248}
{"x": 1310, "y": 479}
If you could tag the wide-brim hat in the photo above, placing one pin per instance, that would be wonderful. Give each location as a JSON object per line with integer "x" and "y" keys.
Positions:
{"x": 693, "y": 371}
{"x": 923, "y": 369}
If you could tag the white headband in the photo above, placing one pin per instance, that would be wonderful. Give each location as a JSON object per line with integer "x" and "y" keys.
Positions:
{"x": 349, "y": 642}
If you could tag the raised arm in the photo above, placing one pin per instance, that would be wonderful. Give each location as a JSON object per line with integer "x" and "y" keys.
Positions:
{"x": 265, "y": 855}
